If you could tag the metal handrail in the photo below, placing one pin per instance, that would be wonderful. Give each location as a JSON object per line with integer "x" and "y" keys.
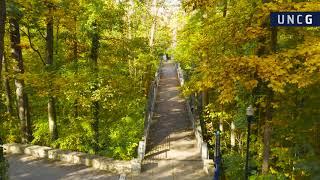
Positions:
{"x": 149, "y": 112}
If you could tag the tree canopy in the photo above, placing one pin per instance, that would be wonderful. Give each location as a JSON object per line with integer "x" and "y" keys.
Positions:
{"x": 79, "y": 70}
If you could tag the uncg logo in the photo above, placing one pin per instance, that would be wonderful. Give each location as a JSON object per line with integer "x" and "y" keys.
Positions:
{"x": 295, "y": 19}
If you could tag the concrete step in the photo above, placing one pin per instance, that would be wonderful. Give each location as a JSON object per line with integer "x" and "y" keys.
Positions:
{"x": 172, "y": 170}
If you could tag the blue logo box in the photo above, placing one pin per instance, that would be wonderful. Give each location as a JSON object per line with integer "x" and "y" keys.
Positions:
{"x": 295, "y": 19}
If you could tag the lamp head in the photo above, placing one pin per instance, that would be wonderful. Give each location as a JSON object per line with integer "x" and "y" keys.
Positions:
{"x": 250, "y": 111}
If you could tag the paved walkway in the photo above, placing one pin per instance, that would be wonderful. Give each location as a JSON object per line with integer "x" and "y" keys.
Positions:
{"x": 172, "y": 152}
{"x": 24, "y": 167}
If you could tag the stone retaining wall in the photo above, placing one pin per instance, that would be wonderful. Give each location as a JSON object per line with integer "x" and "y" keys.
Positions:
{"x": 98, "y": 162}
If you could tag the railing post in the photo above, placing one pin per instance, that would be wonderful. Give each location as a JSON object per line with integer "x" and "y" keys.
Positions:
{"x": 141, "y": 150}
{"x": 204, "y": 150}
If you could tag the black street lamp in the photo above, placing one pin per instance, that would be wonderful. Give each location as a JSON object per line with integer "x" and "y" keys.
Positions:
{"x": 2, "y": 162}
{"x": 249, "y": 119}
{"x": 1, "y": 150}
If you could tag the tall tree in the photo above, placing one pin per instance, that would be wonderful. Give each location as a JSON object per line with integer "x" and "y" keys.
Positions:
{"x": 267, "y": 129}
{"x": 95, "y": 103}
{"x": 2, "y": 31}
{"x": 75, "y": 60}
{"x": 154, "y": 12}
{"x": 269, "y": 111}
{"x": 52, "y": 115}
{"x": 7, "y": 87}
{"x": 22, "y": 99}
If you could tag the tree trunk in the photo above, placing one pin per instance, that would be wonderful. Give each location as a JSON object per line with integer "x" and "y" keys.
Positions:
{"x": 266, "y": 148}
{"x": 19, "y": 83}
{"x": 130, "y": 13}
{"x": 95, "y": 104}
{"x": 52, "y": 116}
{"x": 225, "y": 8}
{"x": 28, "y": 117}
{"x": 49, "y": 38}
{"x": 7, "y": 88}
{"x": 129, "y": 33}
{"x": 75, "y": 41}
{"x": 317, "y": 137}
{"x": 205, "y": 98}
{"x": 56, "y": 48}
{"x": 202, "y": 102}
{"x": 267, "y": 127}
{"x": 2, "y": 31}
{"x": 267, "y": 130}
{"x": 75, "y": 60}
{"x": 221, "y": 125}
{"x": 154, "y": 12}
{"x": 240, "y": 150}
{"x": 233, "y": 136}
{"x": 152, "y": 33}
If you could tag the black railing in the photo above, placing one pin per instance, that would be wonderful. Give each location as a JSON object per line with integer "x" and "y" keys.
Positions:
{"x": 152, "y": 96}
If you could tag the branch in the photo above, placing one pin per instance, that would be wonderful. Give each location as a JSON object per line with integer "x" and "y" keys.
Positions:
{"x": 105, "y": 38}
{"x": 31, "y": 45}
{"x": 42, "y": 35}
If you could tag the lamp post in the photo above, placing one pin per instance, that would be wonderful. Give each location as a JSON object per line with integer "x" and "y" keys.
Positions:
{"x": 217, "y": 157}
{"x": 1, "y": 150}
{"x": 2, "y": 162}
{"x": 249, "y": 119}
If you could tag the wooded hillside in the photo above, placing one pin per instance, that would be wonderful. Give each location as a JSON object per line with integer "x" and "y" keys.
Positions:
{"x": 233, "y": 58}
